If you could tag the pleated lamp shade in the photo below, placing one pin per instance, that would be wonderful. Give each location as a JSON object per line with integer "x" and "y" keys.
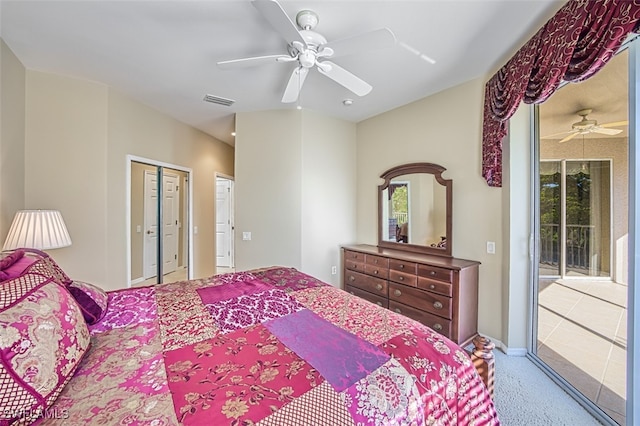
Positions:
{"x": 38, "y": 229}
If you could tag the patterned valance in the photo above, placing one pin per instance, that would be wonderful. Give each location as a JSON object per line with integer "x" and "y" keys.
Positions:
{"x": 572, "y": 46}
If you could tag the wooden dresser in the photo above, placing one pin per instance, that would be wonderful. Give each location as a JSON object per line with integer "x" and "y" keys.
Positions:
{"x": 440, "y": 292}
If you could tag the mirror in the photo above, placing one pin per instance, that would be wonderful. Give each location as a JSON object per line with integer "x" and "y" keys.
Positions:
{"x": 159, "y": 231}
{"x": 415, "y": 209}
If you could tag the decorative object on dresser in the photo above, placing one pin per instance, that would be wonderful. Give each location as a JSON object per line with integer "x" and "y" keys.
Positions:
{"x": 412, "y": 270}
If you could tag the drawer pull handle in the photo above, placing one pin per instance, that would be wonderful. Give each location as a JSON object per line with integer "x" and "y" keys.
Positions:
{"x": 437, "y": 327}
{"x": 432, "y": 286}
{"x": 352, "y": 278}
{"x": 379, "y": 304}
{"x": 401, "y": 278}
{"x": 375, "y": 272}
{"x": 398, "y": 311}
{"x": 437, "y": 305}
{"x": 432, "y": 273}
{"x": 352, "y": 293}
{"x": 401, "y": 266}
{"x": 379, "y": 286}
{"x": 397, "y": 293}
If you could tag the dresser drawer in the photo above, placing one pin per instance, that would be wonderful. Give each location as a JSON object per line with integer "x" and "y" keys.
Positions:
{"x": 373, "y": 298}
{"x": 354, "y": 255}
{"x": 435, "y": 273}
{"x": 353, "y": 265}
{"x": 423, "y": 300}
{"x": 366, "y": 282}
{"x": 376, "y": 271}
{"x": 403, "y": 278}
{"x": 402, "y": 266}
{"x": 435, "y": 286}
{"x": 439, "y": 324}
{"x": 371, "y": 259}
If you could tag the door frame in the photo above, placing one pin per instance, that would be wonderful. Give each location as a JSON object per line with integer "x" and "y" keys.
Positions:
{"x": 189, "y": 214}
{"x": 633, "y": 295}
{"x": 232, "y": 224}
{"x": 563, "y": 220}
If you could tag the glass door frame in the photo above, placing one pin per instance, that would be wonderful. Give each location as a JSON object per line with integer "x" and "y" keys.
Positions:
{"x": 633, "y": 296}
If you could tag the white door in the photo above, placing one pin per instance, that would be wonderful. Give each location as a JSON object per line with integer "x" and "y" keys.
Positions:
{"x": 170, "y": 226}
{"x": 150, "y": 248}
{"x": 224, "y": 223}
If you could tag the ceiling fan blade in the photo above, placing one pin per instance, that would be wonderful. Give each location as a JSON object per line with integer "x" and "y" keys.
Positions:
{"x": 377, "y": 39}
{"x": 604, "y": 131}
{"x": 555, "y": 135}
{"x": 571, "y": 136}
{"x": 254, "y": 61}
{"x": 292, "y": 91}
{"x": 614, "y": 124}
{"x": 279, "y": 20}
{"x": 344, "y": 78}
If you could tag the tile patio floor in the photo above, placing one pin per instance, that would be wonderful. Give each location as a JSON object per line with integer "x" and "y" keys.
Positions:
{"x": 582, "y": 335}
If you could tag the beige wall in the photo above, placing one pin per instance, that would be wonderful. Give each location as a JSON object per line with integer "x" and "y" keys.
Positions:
{"x": 12, "y": 113}
{"x": 66, "y": 166}
{"x": 444, "y": 129}
{"x": 294, "y": 190}
{"x": 78, "y": 135}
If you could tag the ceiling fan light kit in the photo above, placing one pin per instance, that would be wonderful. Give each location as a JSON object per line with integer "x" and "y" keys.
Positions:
{"x": 311, "y": 50}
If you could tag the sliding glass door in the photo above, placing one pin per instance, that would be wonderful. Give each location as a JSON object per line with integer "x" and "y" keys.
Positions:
{"x": 580, "y": 279}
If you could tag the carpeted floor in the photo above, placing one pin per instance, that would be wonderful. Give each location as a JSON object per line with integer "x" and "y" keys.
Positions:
{"x": 525, "y": 396}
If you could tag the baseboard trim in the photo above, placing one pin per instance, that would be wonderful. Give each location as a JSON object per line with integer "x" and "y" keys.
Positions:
{"x": 137, "y": 281}
{"x": 507, "y": 350}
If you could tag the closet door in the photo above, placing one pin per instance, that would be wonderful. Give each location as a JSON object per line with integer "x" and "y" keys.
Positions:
{"x": 159, "y": 223}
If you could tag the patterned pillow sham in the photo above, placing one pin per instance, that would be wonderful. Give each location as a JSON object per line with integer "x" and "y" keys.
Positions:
{"x": 43, "y": 340}
{"x": 91, "y": 299}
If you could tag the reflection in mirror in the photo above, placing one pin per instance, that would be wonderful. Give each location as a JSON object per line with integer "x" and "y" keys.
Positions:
{"x": 150, "y": 241}
{"x": 415, "y": 209}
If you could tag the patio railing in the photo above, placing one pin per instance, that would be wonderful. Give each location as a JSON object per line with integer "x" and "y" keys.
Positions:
{"x": 579, "y": 242}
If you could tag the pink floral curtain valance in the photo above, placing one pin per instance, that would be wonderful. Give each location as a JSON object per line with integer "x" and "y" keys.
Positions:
{"x": 572, "y": 46}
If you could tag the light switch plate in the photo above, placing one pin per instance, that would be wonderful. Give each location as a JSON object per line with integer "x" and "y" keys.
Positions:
{"x": 491, "y": 247}
{"x": 246, "y": 236}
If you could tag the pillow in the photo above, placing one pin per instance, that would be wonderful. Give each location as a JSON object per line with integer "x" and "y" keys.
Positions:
{"x": 44, "y": 338}
{"x": 91, "y": 299}
{"x": 49, "y": 265}
{"x": 13, "y": 265}
{"x": 10, "y": 259}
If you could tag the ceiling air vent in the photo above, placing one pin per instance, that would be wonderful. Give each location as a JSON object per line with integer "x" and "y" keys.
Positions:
{"x": 218, "y": 100}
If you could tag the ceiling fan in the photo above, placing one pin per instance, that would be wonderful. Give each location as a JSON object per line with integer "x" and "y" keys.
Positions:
{"x": 586, "y": 126}
{"x": 309, "y": 49}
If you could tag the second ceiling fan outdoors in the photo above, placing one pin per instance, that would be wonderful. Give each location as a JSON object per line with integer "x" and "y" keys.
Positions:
{"x": 586, "y": 126}
{"x": 309, "y": 49}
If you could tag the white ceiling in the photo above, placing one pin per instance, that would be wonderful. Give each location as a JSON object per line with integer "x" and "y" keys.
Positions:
{"x": 164, "y": 53}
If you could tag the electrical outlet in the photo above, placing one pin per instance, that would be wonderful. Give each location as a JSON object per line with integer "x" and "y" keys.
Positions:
{"x": 491, "y": 247}
{"x": 334, "y": 270}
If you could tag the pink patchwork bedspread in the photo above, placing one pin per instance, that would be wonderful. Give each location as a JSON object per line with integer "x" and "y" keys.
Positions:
{"x": 272, "y": 347}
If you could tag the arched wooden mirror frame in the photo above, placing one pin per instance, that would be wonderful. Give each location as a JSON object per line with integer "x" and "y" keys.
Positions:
{"x": 429, "y": 168}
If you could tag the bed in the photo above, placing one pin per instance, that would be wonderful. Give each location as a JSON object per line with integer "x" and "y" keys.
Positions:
{"x": 269, "y": 347}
